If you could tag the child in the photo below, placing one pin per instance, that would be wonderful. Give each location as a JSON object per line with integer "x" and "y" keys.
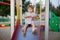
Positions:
{"x": 30, "y": 15}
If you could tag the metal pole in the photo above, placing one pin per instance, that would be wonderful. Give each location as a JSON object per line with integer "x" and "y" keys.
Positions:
{"x": 40, "y": 11}
{"x": 34, "y": 6}
{"x": 21, "y": 12}
{"x": 46, "y": 19}
{"x": 18, "y": 11}
{"x": 40, "y": 20}
{"x": 12, "y": 17}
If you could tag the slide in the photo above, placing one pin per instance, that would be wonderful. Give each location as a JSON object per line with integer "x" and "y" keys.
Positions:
{"x": 29, "y": 35}
{"x": 18, "y": 35}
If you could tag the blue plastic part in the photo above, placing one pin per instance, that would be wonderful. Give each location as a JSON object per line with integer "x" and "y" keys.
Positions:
{"x": 29, "y": 35}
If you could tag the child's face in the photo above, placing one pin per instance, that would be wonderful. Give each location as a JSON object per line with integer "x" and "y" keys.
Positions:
{"x": 30, "y": 9}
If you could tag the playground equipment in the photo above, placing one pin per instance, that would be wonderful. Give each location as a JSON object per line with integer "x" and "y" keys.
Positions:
{"x": 4, "y": 3}
{"x": 5, "y": 25}
{"x": 46, "y": 19}
{"x": 54, "y": 22}
{"x": 2, "y": 19}
{"x": 17, "y": 34}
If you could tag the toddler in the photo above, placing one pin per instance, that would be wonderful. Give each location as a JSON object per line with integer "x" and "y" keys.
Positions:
{"x": 29, "y": 19}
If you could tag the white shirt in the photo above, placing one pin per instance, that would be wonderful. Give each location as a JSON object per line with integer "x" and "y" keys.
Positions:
{"x": 29, "y": 20}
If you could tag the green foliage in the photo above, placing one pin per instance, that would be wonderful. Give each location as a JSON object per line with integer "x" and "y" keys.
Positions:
{"x": 55, "y": 10}
{"x": 4, "y": 9}
{"x": 24, "y": 6}
{"x": 38, "y": 8}
{"x": 0, "y": 0}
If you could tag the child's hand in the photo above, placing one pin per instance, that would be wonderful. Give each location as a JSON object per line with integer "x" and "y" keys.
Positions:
{"x": 29, "y": 16}
{"x": 26, "y": 16}
{"x": 32, "y": 16}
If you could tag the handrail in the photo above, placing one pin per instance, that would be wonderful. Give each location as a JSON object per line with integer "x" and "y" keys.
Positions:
{"x": 5, "y": 3}
{"x": 15, "y": 30}
{"x": 40, "y": 20}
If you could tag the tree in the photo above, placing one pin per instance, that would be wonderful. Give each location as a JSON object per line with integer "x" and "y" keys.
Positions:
{"x": 38, "y": 8}
{"x": 4, "y": 10}
{"x": 55, "y": 10}
{"x": 58, "y": 10}
{"x": 24, "y": 6}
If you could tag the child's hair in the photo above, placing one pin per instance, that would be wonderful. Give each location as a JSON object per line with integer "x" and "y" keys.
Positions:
{"x": 31, "y": 6}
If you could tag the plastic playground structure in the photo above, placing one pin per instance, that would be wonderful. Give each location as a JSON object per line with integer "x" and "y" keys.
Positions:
{"x": 54, "y": 22}
{"x": 15, "y": 27}
{"x": 16, "y": 34}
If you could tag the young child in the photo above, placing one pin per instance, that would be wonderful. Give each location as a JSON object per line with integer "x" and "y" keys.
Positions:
{"x": 29, "y": 19}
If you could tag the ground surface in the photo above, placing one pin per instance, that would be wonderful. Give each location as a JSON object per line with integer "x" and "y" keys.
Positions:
{"x": 5, "y": 33}
{"x": 52, "y": 35}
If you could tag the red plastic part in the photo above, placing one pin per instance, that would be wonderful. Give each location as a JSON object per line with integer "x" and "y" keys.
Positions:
{"x": 39, "y": 32}
{"x": 15, "y": 31}
{"x": 4, "y": 3}
{"x": 0, "y": 25}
